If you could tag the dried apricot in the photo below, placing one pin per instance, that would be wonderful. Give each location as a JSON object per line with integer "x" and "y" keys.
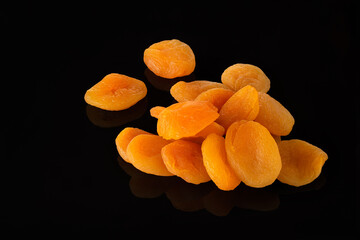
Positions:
{"x": 302, "y": 162}
{"x": 276, "y": 137}
{"x": 216, "y": 164}
{"x": 124, "y": 138}
{"x": 252, "y": 153}
{"x": 170, "y": 58}
{"x": 211, "y": 128}
{"x": 239, "y": 75}
{"x": 185, "y": 119}
{"x": 116, "y": 92}
{"x": 274, "y": 116}
{"x": 243, "y": 105}
{"x": 184, "y": 159}
{"x": 155, "y": 111}
{"x": 144, "y": 153}
{"x": 188, "y": 91}
{"x": 217, "y": 96}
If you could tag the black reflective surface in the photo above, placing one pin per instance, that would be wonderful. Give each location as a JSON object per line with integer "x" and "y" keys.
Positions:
{"x": 61, "y": 172}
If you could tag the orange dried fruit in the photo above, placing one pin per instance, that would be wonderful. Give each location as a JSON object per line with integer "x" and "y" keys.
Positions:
{"x": 239, "y": 75}
{"x": 188, "y": 91}
{"x": 155, "y": 111}
{"x": 252, "y": 153}
{"x": 213, "y": 128}
{"x": 274, "y": 116}
{"x": 184, "y": 159}
{"x": 185, "y": 119}
{"x": 144, "y": 153}
{"x": 243, "y": 105}
{"x": 217, "y": 96}
{"x": 170, "y": 58}
{"x": 116, "y": 92}
{"x": 302, "y": 162}
{"x": 216, "y": 164}
{"x": 123, "y": 139}
{"x": 276, "y": 137}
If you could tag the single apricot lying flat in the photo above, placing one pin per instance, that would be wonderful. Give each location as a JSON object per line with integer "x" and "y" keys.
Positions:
{"x": 211, "y": 128}
{"x": 217, "y": 96}
{"x": 144, "y": 153}
{"x": 170, "y": 59}
{"x": 239, "y": 75}
{"x": 252, "y": 153}
{"x": 274, "y": 116}
{"x": 302, "y": 162}
{"x": 185, "y": 119}
{"x": 188, "y": 91}
{"x": 116, "y": 92}
{"x": 243, "y": 105}
{"x": 184, "y": 159}
{"x": 216, "y": 164}
{"x": 123, "y": 139}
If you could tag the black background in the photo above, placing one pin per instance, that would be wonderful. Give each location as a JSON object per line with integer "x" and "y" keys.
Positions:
{"x": 60, "y": 171}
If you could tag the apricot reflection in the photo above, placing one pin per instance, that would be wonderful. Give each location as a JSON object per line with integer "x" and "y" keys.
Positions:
{"x": 165, "y": 84}
{"x": 108, "y": 119}
{"x": 189, "y": 197}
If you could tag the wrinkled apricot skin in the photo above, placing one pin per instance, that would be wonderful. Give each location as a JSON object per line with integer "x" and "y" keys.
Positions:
{"x": 184, "y": 159}
{"x": 188, "y": 91}
{"x": 216, "y": 164}
{"x": 243, "y": 105}
{"x": 116, "y": 92}
{"x": 217, "y": 96}
{"x": 239, "y": 75}
{"x": 124, "y": 138}
{"x": 144, "y": 153}
{"x": 274, "y": 116}
{"x": 170, "y": 59}
{"x": 185, "y": 119}
{"x": 302, "y": 162}
{"x": 252, "y": 153}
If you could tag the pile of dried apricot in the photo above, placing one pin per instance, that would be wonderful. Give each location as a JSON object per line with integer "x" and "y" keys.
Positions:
{"x": 228, "y": 132}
